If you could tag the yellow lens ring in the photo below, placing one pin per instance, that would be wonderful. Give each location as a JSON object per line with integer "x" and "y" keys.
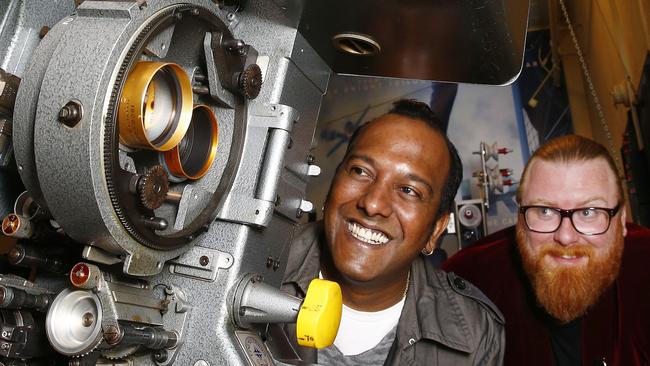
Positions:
{"x": 195, "y": 153}
{"x": 155, "y": 108}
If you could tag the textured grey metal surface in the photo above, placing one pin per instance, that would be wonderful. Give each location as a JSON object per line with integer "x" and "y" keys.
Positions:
{"x": 28, "y": 94}
{"x": 63, "y": 167}
{"x": 69, "y": 161}
{"x": 251, "y": 198}
{"x": 20, "y": 24}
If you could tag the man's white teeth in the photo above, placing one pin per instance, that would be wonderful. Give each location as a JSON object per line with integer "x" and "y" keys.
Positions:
{"x": 367, "y": 235}
{"x": 564, "y": 256}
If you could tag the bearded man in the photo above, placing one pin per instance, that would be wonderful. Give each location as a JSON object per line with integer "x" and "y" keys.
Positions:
{"x": 571, "y": 279}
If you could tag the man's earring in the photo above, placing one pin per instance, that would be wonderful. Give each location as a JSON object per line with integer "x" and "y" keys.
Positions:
{"x": 424, "y": 251}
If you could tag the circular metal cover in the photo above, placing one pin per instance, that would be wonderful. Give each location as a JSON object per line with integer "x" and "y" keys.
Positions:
{"x": 469, "y": 216}
{"x": 95, "y": 170}
{"x": 73, "y": 322}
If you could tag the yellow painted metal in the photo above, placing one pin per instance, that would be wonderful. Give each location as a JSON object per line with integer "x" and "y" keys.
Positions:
{"x": 320, "y": 314}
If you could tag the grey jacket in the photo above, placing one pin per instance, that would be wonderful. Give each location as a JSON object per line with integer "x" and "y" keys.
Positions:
{"x": 445, "y": 320}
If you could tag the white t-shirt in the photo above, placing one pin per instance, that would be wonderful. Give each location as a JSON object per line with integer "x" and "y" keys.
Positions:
{"x": 360, "y": 331}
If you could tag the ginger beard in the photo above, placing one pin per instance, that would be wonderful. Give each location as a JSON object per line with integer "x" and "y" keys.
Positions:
{"x": 567, "y": 293}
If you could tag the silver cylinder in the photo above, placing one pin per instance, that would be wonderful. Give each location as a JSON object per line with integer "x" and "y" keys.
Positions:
{"x": 256, "y": 302}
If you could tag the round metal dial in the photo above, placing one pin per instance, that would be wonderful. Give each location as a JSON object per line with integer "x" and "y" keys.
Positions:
{"x": 73, "y": 323}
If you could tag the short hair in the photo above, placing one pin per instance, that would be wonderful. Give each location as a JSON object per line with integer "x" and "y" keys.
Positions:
{"x": 420, "y": 111}
{"x": 567, "y": 149}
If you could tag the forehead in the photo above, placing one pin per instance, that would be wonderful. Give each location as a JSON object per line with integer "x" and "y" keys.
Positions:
{"x": 409, "y": 141}
{"x": 570, "y": 183}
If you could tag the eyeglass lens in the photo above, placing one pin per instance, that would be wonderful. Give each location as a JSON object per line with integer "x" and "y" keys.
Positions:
{"x": 586, "y": 221}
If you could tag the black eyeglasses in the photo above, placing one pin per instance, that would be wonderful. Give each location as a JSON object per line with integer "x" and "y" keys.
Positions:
{"x": 586, "y": 220}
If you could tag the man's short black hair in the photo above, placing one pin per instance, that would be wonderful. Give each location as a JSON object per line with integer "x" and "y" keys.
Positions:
{"x": 417, "y": 110}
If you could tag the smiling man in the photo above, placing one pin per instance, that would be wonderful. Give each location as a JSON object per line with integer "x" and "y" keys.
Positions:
{"x": 570, "y": 288}
{"x": 388, "y": 204}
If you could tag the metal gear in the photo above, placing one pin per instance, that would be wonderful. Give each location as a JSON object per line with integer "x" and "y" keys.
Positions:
{"x": 120, "y": 352}
{"x": 153, "y": 187}
{"x": 250, "y": 81}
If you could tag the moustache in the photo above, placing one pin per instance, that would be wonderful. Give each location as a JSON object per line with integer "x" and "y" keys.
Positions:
{"x": 572, "y": 251}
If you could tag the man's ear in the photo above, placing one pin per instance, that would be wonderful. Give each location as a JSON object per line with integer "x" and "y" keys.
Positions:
{"x": 624, "y": 219}
{"x": 438, "y": 229}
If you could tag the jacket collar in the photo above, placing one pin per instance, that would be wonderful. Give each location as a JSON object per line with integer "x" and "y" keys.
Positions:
{"x": 432, "y": 311}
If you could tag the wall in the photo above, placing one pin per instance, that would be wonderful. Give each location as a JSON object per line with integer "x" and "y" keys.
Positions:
{"x": 615, "y": 38}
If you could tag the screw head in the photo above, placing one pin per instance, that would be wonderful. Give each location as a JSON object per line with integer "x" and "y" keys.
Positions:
{"x": 71, "y": 113}
{"x": 204, "y": 260}
{"x": 15, "y": 254}
{"x": 44, "y": 30}
{"x": 112, "y": 335}
{"x": 87, "y": 320}
{"x": 160, "y": 355}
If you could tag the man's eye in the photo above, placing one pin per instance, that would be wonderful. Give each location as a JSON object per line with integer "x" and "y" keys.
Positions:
{"x": 410, "y": 191}
{"x": 355, "y": 170}
{"x": 587, "y": 212}
{"x": 545, "y": 212}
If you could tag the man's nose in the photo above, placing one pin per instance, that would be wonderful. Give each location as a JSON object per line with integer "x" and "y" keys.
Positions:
{"x": 566, "y": 234}
{"x": 376, "y": 200}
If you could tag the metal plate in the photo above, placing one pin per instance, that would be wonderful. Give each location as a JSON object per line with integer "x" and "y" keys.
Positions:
{"x": 472, "y": 41}
{"x": 255, "y": 350}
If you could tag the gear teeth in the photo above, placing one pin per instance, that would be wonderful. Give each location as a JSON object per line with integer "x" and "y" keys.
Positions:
{"x": 110, "y": 143}
{"x": 250, "y": 81}
{"x": 119, "y": 353}
{"x": 91, "y": 350}
{"x": 153, "y": 187}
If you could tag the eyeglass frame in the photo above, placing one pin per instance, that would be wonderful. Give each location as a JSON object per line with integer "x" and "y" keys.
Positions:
{"x": 569, "y": 213}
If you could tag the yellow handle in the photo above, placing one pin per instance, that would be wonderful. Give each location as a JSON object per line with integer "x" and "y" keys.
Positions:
{"x": 320, "y": 314}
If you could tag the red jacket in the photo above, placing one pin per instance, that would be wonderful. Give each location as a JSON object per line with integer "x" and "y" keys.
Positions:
{"x": 616, "y": 330}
